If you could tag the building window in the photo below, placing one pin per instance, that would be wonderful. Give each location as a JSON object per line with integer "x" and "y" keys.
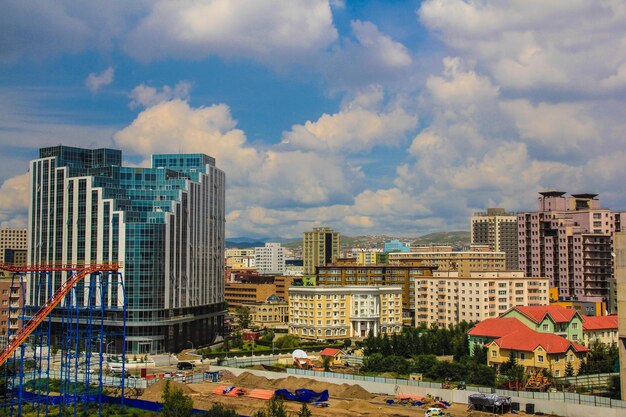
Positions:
{"x": 545, "y": 327}
{"x": 493, "y": 353}
{"x": 540, "y": 358}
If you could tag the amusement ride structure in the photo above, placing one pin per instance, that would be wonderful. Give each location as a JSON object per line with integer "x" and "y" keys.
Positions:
{"x": 56, "y": 358}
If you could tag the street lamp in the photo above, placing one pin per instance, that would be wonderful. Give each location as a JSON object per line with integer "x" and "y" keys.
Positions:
{"x": 189, "y": 341}
{"x": 106, "y": 349}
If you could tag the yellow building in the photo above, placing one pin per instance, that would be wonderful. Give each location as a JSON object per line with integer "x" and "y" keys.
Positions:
{"x": 337, "y": 313}
{"x": 319, "y": 247}
{"x": 273, "y": 313}
{"x": 478, "y": 258}
{"x": 347, "y": 272}
{"x": 506, "y": 338}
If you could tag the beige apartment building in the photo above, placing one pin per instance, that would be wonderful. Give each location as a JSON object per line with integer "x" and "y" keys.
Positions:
{"x": 336, "y": 313}
{"x": 478, "y": 258}
{"x": 498, "y": 229}
{"x": 238, "y": 258}
{"x": 447, "y": 298}
{"x": 347, "y": 272}
{"x": 619, "y": 245}
{"x": 320, "y": 247}
{"x": 14, "y": 239}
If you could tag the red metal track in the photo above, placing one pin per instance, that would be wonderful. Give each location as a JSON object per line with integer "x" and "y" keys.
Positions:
{"x": 81, "y": 272}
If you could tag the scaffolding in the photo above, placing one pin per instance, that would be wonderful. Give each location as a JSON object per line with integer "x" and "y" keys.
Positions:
{"x": 61, "y": 345}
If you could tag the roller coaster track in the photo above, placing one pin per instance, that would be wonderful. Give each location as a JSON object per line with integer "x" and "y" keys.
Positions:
{"x": 81, "y": 271}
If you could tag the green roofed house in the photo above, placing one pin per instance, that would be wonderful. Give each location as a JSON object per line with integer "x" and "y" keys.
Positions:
{"x": 567, "y": 323}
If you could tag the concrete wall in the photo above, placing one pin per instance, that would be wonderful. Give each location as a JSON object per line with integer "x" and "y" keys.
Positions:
{"x": 559, "y": 408}
{"x": 619, "y": 246}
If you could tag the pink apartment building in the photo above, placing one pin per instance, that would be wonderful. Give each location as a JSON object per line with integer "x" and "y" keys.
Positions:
{"x": 570, "y": 241}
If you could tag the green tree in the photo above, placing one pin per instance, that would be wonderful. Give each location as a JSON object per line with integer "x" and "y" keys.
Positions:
{"x": 480, "y": 354}
{"x": 569, "y": 369}
{"x": 275, "y": 408}
{"x": 326, "y": 362}
{"x": 244, "y": 316}
{"x": 304, "y": 411}
{"x": 175, "y": 403}
{"x": 347, "y": 343}
{"x": 219, "y": 411}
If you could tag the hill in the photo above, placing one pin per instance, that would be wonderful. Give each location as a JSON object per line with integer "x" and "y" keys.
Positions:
{"x": 456, "y": 239}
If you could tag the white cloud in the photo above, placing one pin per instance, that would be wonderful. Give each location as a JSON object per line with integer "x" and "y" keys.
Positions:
{"x": 391, "y": 53}
{"x": 147, "y": 96}
{"x": 533, "y": 44}
{"x": 14, "y": 201}
{"x": 96, "y": 81}
{"x": 361, "y": 124}
{"x": 268, "y": 30}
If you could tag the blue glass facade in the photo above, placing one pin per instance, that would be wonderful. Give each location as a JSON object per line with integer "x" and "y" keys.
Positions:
{"x": 164, "y": 225}
{"x": 397, "y": 246}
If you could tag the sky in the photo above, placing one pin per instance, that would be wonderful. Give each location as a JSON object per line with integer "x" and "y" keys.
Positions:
{"x": 371, "y": 117}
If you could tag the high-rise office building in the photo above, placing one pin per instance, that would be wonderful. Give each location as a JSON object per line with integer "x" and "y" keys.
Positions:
{"x": 569, "y": 240}
{"x": 498, "y": 229}
{"x": 320, "y": 247}
{"x": 270, "y": 259}
{"x": 164, "y": 225}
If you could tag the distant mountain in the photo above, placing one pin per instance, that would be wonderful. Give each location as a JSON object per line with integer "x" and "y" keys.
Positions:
{"x": 253, "y": 242}
{"x": 457, "y": 239}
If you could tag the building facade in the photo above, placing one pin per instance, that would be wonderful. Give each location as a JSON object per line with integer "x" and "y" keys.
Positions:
{"x": 397, "y": 246}
{"x": 550, "y": 319}
{"x": 163, "y": 225}
{"x": 12, "y": 240}
{"x": 602, "y": 329}
{"x": 498, "y": 229}
{"x": 320, "y": 247}
{"x": 348, "y": 273}
{"x": 273, "y": 313}
{"x": 369, "y": 256}
{"x": 10, "y": 307}
{"x": 569, "y": 240}
{"x": 447, "y": 298}
{"x": 478, "y": 258}
{"x": 270, "y": 259}
{"x": 620, "y": 278}
{"x": 337, "y": 313}
{"x": 240, "y": 258}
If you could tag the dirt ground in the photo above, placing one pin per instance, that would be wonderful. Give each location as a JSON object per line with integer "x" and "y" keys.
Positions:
{"x": 345, "y": 400}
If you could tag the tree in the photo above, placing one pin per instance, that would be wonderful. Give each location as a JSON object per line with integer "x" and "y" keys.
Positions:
{"x": 304, "y": 411}
{"x": 326, "y": 362}
{"x": 480, "y": 354}
{"x": 569, "y": 369}
{"x": 244, "y": 317}
{"x": 175, "y": 403}
{"x": 219, "y": 411}
{"x": 275, "y": 408}
{"x": 347, "y": 343}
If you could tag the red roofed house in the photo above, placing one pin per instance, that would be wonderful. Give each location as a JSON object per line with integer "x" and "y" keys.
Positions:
{"x": 564, "y": 322}
{"x": 488, "y": 330}
{"x": 334, "y": 354}
{"x": 531, "y": 349}
{"x": 600, "y": 328}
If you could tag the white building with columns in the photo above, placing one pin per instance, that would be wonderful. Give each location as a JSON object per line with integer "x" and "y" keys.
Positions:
{"x": 340, "y": 312}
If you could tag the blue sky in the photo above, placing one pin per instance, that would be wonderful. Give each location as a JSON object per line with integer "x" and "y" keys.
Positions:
{"x": 395, "y": 117}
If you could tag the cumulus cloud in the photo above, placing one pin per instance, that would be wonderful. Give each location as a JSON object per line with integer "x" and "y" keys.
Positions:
{"x": 96, "y": 81}
{"x": 529, "y": 45}
{"x": 14, "y": 201}
{"x": 361, "y": 124}
{"x": 266, "y": 29}
{"x": 147, "y": 96}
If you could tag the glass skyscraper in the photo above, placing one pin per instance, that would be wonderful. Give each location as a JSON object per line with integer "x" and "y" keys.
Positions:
{"x": 164, "y": 225}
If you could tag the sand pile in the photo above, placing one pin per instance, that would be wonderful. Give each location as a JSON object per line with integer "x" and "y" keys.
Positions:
{"x": 155, "y": 391}
{"x": 293, "y": 383}
{"x": 226, "y": 375}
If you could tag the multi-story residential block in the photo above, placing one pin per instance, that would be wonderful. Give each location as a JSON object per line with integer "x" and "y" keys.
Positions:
{"x": 270, "y": 259}
{"x": 273, "y": 313}
{"x": 550, "y": 319}
{"x": 397, "y": 246}
{"x": 620, "y": 278}
{"x": 601, "y": 329}
{"x": 569, "y": 240}
{"x": 478, "y": 258}
{"x": 163, "y": 225}
{"x": 11, "y": 302}
{"x": 447, "y": 298}
{"x": 294, "y": 267}
{"x": 333, "y": 313}
{"x": 347, "y": 272}
{"x": 319, "y": 247}
{"x": 12, "y": 239}
{"x": 498, "y": 229}
{"x": 531, "y": 349}
{"x": 369, "y": 256}
{"x": 237, "y": 258}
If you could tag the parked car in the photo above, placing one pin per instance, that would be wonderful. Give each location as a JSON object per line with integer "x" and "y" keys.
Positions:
{"x": 185, "y": 365}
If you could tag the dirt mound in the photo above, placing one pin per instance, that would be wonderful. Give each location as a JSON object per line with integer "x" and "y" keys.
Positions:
{"x": 247, "y": 379}
{"x": 355, "y": 391}
{"x": 155, "y": 391}
{"x": 226, "y": 375}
